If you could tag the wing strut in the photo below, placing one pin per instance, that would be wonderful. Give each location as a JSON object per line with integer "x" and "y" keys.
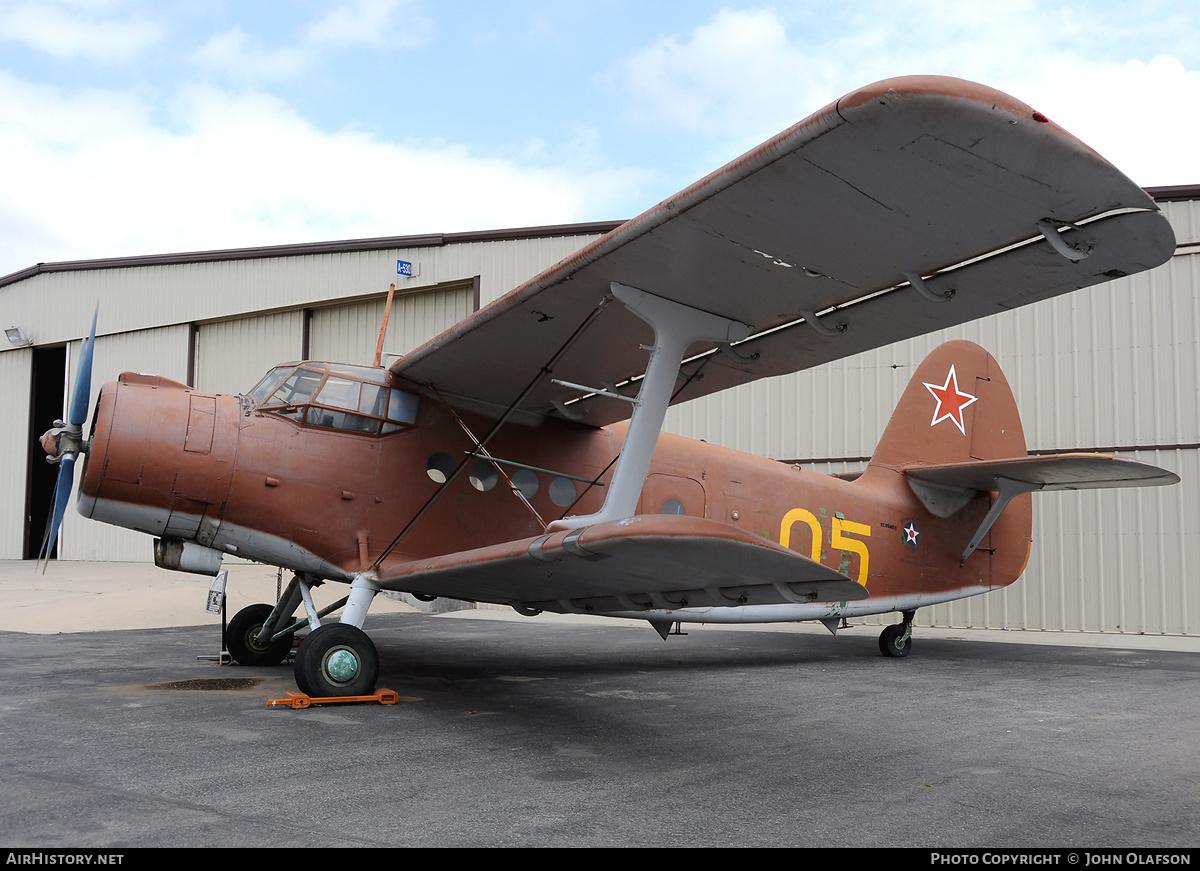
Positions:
{"x": 676, "y": 328}
{"x": 512, "y": 408}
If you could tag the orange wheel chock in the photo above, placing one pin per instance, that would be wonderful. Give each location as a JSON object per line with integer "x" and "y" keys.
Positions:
{"x": 300, "y": 700}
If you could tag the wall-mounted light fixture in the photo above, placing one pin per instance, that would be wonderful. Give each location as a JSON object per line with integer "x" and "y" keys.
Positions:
{"x": 18, "y": 337}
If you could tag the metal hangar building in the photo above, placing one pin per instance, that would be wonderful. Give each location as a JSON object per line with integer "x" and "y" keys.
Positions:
{"x": 1113, "y": 368}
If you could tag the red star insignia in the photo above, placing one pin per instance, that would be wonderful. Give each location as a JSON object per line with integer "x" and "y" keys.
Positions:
{"x": 950, "y": 401}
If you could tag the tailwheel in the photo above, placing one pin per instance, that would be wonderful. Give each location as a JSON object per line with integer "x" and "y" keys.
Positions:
{"x": 241, "y": 637}
{"x": 897, "y": 640}
{"x": 337, "y": 659}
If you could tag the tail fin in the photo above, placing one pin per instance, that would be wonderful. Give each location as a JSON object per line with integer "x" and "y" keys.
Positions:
{"x": 957, "y": 408}
{"x": 956, "y": 434}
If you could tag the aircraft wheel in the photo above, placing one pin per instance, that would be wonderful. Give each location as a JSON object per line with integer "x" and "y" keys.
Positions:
{"x": 337, "y": 659}
{"x": 890, "y": 643}
{"x": 244, "y": 626}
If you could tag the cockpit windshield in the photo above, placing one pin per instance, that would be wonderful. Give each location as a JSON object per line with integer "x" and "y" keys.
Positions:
{"x": 336, "y": 396}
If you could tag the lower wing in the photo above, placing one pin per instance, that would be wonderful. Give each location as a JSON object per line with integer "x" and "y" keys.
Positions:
{"x": 648, "y": 562}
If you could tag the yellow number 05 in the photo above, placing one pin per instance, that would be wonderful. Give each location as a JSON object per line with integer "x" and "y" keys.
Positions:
{"x": 837, "y": 539}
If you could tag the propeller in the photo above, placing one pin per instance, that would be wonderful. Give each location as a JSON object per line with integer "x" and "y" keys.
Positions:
{"x": 65, "y": 441}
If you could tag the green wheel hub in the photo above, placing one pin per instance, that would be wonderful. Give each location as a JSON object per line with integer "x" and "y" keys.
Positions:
{"x": 341, "y": 665}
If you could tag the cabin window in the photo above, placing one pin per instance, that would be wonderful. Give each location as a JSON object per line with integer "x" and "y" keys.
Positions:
{"x": 439, "y": 467}
{"x": 483, "y": 476}
{"x": 563, "y": 492}
{"x": 527, "y": 482}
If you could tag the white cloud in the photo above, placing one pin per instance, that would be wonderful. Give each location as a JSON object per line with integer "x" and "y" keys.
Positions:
{"x": 369, "y": 22}
{"x": 98, "y": 178}
{"x": 743, "y": 75}
{"x": 738, "y": 70}
{"x": 242, "y": 57}
{"x": 1135, "y": 114}
{"x": 69, "y": 33}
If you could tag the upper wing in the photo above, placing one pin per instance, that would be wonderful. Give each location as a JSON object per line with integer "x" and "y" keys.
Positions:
{"x": 652, "y": 561}
{"x": 859, "y": 220}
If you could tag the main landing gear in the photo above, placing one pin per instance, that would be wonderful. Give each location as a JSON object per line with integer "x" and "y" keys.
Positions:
{"x": 897, "y": 640}
{"x": 335, "y": 659}
{"x": 243, "y": 643}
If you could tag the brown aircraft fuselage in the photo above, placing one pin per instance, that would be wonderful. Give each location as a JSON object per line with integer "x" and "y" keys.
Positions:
{"x": 217, "y": 471}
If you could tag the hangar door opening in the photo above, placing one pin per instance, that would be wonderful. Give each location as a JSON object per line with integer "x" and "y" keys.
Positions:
{"x": 47, "y": 403}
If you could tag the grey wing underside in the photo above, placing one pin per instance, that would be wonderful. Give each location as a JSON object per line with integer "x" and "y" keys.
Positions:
{"x": 906, "y": 207}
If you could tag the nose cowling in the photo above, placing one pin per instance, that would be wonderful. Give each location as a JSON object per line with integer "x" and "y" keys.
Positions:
{"x": 161, "y": 458}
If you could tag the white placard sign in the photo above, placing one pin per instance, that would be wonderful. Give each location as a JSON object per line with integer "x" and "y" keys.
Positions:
{"x": 216, "y": 592}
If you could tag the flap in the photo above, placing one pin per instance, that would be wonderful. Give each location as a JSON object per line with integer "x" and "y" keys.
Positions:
{"x": 640, "y": 563}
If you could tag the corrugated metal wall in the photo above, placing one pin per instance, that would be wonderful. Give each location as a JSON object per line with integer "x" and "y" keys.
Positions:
{"x": 231, "y": 356}
{"x": 145, "y": 297}
{"x": 349, "y": 333}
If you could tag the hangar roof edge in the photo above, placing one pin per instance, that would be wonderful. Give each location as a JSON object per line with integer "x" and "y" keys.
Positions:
{"x": 427, "y": 240}
{"x": 1162, "y": 194}
{"x": 1173, "y": 192}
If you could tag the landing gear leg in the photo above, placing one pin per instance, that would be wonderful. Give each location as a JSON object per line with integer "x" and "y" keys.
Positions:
{"x": 250, "y": 631}
{"x": 339, "y": 659}
{"x": 897, "y": 640}
{"x": 244, "y": 646}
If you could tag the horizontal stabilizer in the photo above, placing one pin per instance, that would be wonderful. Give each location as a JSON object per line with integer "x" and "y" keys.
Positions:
{"x": 1055, "y": 472}
{"x": 650, "y": 562}
{"x": 941, "y": 488}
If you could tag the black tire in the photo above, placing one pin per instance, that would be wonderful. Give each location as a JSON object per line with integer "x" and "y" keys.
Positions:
{"x": 299, "y": 669}
{"x": 890, "y": 643}
{"x": 243, "y": 628}
{"x": 337, "y": 659}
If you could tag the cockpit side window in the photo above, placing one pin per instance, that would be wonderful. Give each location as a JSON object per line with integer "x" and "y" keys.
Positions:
{"x": 402, "y": 407}
{"x": 297, "y": 389}
{"x": 334, "y": 396}
{"x": 271, "y": 381}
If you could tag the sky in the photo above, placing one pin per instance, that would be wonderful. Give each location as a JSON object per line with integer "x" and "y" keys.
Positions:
{"x": 135, "y": 127}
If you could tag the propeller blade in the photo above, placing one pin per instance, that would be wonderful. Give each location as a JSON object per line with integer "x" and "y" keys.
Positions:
{"x": 81, "y": 395}
{"x": 62, "y": 496}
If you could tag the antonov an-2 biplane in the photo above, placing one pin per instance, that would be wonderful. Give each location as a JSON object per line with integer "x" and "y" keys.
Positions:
{"x": 517, "y": 457}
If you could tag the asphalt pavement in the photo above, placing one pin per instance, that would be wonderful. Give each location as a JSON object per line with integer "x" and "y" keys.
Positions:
{"x": 556, "y": 731}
